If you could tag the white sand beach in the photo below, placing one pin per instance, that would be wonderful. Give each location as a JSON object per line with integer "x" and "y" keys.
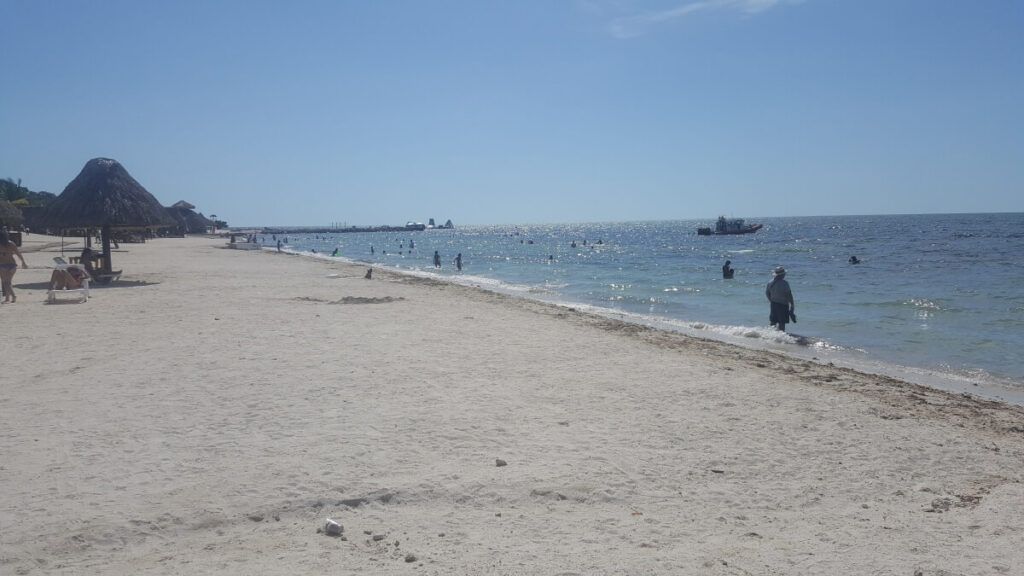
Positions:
{"x": 210, "y": 410}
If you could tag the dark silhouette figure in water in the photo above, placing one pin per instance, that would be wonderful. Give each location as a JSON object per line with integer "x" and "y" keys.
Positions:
{"x": 458, "y": 262}
{"x": 371, "y": 249}
{"x": 854, "y": 260}
{"x": 437, "y": 259}
{"x": 335, "y": 253}
{"x": 780, "y": 299}
{"x": 727, "y": 270}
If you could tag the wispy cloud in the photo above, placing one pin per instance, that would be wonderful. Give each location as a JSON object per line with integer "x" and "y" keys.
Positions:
{"x": 639, "y": 24}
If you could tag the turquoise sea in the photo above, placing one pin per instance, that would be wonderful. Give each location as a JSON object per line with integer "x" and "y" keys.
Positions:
{"x": 935, "y": 297}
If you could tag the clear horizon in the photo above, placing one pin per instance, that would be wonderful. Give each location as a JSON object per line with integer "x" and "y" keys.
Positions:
{"x": 710, "y": 219}
{"x": 537, "y": 111}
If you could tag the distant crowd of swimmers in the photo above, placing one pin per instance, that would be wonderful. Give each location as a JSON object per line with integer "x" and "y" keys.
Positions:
{"x": 782, "y": 307}
{"x": 458, "y": 261}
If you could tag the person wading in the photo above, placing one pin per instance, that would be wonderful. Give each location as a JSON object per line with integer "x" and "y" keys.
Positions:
{"x": 780, "y": 296}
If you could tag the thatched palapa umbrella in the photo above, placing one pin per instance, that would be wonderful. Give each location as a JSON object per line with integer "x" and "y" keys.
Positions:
{"x": 189, "y": 222}
{"x": 105, "y": 196}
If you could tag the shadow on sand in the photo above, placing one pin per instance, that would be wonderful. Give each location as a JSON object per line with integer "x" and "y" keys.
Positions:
{"x": 92, "y": 285}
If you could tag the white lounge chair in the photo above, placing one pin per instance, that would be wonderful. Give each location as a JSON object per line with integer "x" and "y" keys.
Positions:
{"x": 82, "y": 293}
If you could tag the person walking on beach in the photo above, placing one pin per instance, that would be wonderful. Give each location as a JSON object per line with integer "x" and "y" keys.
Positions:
{"x": 780, "y": 297}
{"x": 458, "y": 262}
{"x": 727, "y": 270}
{"x": 8, "y": 250}
{"x": 437, "y": 259}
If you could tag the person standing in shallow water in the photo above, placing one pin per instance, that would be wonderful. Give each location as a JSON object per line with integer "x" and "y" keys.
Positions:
{"x": 8, "y": 250}
{"x": 458, "y": 262}
{"x": 727, "y": 270}
{"x": 437, "y": 259}
{"x": 780, "y": 297}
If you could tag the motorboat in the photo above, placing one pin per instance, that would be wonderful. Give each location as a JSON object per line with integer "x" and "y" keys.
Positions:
{"x": 729, "y": 226}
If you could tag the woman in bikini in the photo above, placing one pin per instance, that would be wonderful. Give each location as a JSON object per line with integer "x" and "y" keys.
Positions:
{"x": 8, "y": 250}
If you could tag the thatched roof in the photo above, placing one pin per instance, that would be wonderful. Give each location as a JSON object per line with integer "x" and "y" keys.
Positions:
{"x": 183, "y": 204}
{"x": 187, "y": 220}
{"x": 10, "y": 215}
{"x": 104, "y": 194}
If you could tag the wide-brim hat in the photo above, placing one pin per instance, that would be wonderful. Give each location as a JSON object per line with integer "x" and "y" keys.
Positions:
{"x": 779, "y": 271}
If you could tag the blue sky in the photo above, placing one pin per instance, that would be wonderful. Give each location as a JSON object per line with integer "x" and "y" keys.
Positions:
{"x": 312, "y": 112}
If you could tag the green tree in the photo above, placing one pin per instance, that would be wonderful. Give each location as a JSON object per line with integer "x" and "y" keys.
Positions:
{"x": 10, "y": 216}
{"x": 14, "y": 192}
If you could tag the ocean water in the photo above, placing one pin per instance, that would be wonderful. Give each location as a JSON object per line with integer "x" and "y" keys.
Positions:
{"x": 934, "y": 295}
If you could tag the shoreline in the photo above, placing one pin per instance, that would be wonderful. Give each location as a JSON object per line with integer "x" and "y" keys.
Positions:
{"x": 616, "y": 321}
{"x": 905, "y": 312}
{"x": 994, "y": 388}
{"x": 207, "y": 412}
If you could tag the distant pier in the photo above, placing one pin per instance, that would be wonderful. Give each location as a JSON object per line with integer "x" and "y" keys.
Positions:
{"x": 409, "y": 227}
{"x": 334, "y": 230}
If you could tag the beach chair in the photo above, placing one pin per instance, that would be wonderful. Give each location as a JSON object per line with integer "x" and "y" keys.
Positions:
{"x": 82, "y": 293}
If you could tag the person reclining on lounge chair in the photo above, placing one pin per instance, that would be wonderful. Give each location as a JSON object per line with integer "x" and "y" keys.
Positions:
{"x": 71, "y": 278}
{"x": 100, "y": 276}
